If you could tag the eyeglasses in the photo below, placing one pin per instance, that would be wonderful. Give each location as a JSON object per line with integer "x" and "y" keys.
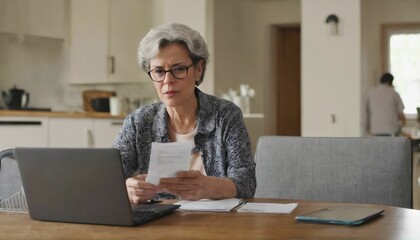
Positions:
{"x": 159, "y": 74}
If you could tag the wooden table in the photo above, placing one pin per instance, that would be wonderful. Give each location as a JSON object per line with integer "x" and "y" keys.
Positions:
{"x": 396, "y": 223}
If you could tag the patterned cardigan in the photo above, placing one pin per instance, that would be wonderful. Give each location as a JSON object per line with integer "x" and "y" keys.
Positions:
{"x": 222, "y": 140}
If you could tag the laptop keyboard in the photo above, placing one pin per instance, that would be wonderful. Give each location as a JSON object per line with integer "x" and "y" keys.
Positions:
{"x": 143, "y": 216}
{"x": 146, "y": 212}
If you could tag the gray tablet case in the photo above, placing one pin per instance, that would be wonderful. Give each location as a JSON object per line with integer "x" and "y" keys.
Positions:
{"x": 343, "y": 215}
{"x": 80, "y": 186}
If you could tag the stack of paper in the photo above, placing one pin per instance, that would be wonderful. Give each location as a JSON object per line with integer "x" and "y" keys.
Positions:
{"x": 166, "y": 159}
{"x": 268, "y": 207}
{"x": 207, "y": 205}
{"x": 240, "y": 205}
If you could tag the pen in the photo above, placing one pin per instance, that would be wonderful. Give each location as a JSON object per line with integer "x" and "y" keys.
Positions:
{"x": 241, "y": 203}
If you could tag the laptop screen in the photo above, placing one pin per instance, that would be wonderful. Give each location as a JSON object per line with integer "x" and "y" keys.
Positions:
{"x": 74, "y": 185}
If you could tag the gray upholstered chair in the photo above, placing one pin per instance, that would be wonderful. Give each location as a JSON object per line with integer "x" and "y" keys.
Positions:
{"x": 10, "y": 182}
{"x": 374, "y": 170}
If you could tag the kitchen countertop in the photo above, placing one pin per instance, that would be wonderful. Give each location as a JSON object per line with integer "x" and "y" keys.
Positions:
{"x": 21, "y": 113}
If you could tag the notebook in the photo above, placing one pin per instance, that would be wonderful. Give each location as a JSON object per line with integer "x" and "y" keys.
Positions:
{"x": 80, "y": 186}
{"x": 343, "y": 215}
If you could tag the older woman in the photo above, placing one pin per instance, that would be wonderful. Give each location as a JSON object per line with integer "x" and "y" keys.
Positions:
{"x": 222, "y": 166}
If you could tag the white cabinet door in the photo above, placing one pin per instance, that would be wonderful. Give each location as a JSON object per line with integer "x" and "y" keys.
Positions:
{"x": 71, "y": 132}
{"x": 23, "y": 132}
{"x": 104, "y": 40}
{"x": 105, "y": 132}
{"x": 129, "y": 22}
{"x": 83, "y": 132}
{"x": 42, "y": 18}
{"x": 58, "y": 132}
{"x": 9, "y": 16}
{"x": 89, "y": 41}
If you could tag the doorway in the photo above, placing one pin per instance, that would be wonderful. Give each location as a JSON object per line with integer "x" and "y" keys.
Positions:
{"x": 288, "y": 81}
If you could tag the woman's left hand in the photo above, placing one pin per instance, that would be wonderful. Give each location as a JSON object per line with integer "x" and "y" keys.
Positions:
{"x": 189, "y": 185}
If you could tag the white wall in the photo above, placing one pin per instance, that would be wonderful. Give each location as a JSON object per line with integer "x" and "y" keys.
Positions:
{"x": 36, "y": 65}
{"x": 331, "y": 69}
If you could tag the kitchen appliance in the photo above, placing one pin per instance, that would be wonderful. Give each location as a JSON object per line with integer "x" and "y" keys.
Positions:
{"x": 89, "y": 95}
{"x": 15, "y": 98}
{"x": 100, "y": 104}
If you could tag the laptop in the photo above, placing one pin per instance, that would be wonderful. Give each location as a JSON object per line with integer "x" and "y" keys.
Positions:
{"x": 80, "y": 185}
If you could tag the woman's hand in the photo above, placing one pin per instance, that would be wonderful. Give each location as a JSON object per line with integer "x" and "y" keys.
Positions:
{"x": 189, "y": 185}
{"x": 193, "y": 185}
{"x": 140, "y": 191}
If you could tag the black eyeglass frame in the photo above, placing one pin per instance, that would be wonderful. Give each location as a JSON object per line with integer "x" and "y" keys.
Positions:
{"x": 170, "y": 70}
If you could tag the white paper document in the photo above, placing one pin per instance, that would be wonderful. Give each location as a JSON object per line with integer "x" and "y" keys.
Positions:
{"x": 207, "y": 205}
{"x": 268, "y": 207}
{"x": 166, "y": 159}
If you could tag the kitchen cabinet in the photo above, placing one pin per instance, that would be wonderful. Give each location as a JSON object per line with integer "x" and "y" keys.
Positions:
{"x": 104, "y": 40}
{"x": 71, "y": 132}
{"x": 23, "y": 132}
{"x": 45, "y": 18}
{"x": 9, "y": 12}
{"x": 105, "y": 131}
{"x": 83, "y": 132}
{"x": 49, "y": 129}
{"x": 42, "y": 18}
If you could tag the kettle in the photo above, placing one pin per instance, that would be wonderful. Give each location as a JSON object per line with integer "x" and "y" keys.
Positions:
{"x": 15, "y": 98}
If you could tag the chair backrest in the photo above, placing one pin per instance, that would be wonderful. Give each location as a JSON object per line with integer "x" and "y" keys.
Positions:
{"x": 375, "y": 170}
{"x": 10, "y": 182}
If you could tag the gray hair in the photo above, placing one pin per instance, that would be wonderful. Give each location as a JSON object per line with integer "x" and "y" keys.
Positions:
{"x": 167, "y": 34}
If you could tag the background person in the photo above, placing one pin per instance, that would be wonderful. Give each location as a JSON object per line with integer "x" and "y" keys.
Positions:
{"x": 222, "y": 166}
{"x": 384, "y": 109}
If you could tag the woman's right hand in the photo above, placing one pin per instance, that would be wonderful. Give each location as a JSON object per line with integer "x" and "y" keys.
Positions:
{"x": 140, "y": 191}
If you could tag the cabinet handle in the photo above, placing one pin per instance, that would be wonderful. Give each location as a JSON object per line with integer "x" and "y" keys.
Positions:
{"x": 112, "y": 68}
{"x": 90, "y": 139}
{"x": 117, "y": 123}
{"x": 20, "y": 123}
